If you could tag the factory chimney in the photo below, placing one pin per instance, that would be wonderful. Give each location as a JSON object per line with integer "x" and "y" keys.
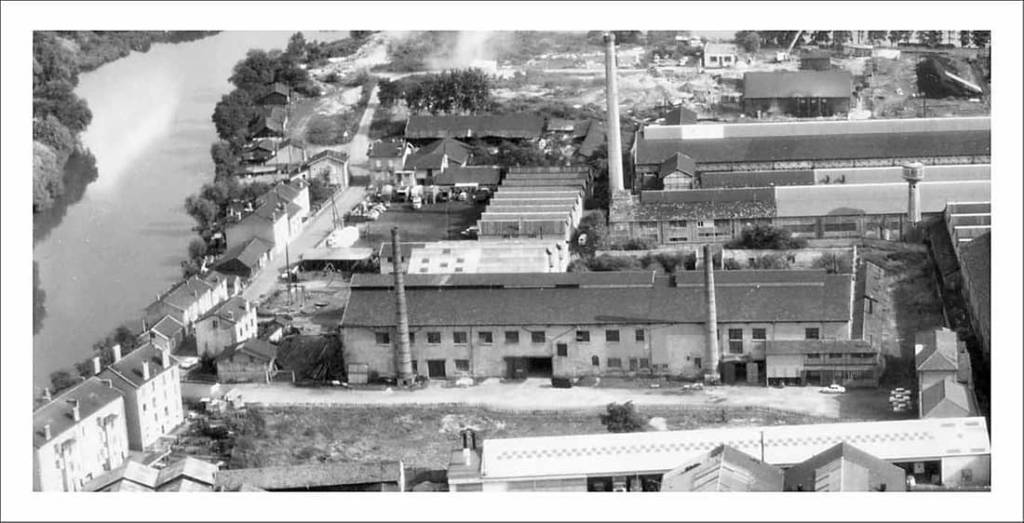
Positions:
{"x": 612, "y": 131}
{"x": 711, "y": 325}
{"x": 404, "y": 359}
{"x": 913, "y": 173}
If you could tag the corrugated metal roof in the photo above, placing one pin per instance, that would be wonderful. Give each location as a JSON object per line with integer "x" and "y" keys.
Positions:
{"x": 522, "y": 125}
{"x": 874, "y": 198}
{"x": 711, "y": 180}
{"x": 479, "y": 174}
{"x": 797, "y": 84}
{"x": 310, "y": 476}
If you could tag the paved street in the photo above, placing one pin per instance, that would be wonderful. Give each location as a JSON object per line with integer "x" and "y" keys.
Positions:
{"x": 357, "y": 148}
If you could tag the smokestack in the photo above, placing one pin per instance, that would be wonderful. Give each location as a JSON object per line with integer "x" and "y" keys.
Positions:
{"x": 96, "y": 365}
{"x": 913, "y": 173}
{"x": 145, "y": 371}
{"x": 405, "y": 376}
{"x": 614, "y": 136}
{"x": 46, "y": 432}
{"x": 116, "y": 349}
{"x": 76, "y": 414}
{"x": 711, "y": 325}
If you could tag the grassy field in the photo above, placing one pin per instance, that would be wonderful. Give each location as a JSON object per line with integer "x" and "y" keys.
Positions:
{"x": 423, "y": 437}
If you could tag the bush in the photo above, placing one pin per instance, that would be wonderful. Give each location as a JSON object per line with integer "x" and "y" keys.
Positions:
{"x": 590, "y": 235}
{"x": 633, "y": 244}
{"x": 833, "y": 263}
{"x": 607, "y": 262}
{"x": 623, "y": 418}
{"x": 771, "y": 261}
{"x": 764, "y": 236}
{"x": 732, "y": 265}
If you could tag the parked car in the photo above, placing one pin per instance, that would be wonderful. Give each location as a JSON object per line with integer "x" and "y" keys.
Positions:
{"x": 471, "y": 232}
{"x": 834, "y": 388}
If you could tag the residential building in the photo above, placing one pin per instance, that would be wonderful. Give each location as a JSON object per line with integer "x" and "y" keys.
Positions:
{"x": 719, "y": 55}
{"x": 951, "y": 452}
{"x": 576, "y": 324}
{"x": 227, "y": 324}
{"x": 276, "y": 221}
{"x": 167, "y": 333}
{"x": 187, "y": 474}
{"x": 150, "y": 380}
{"x": 330, "y": 164}
{"x": 287, "y": 156}
{"x": 270, "y": 123}
{"x": 724, "y": 469}
{"x": 851, "y": 363}
{"x": 389, "y": 155}
{"x": 280, "y": 94}
{"x": 188, "y": 299}
{"x": 376, "y": 476}
{"x": 937, "y": 356}
{"x": 948, "y": 398}
{"x": 845, "y": 468}
{"x": 521, "y": 126}
{"x": 243, "y": 259}
{"x": 431, "y": 160}
{"x": 797, "y": 93}
{"x": 259, "y": 151}
{"x": 251, "y": 360}
{"x": 78, "y": 435}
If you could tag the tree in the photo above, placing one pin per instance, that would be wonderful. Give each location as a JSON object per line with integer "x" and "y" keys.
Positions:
{"x": 388, "y": 92}
{"x": 233, "y": 115}
{"x": 623, "y": 418}
{"x": 590, "y": 235}
{"x": 225, "y": 159}
{"x": 254, "y": 73}
{"x": 981, "y": 38}
{"x": 930, "y": 38}
{"x": 900, "y": 36}
{"x": 296, "y": 47}
{"x": 965, "y": 38}
{"x": 841, "y": 37}
{"x": 203, "y": 211}
{"x": 877, "y": 36}
{"x": 821, "y": 37}
{"x": 749, "y": 41}
{"x": 833, "y": 263}
{"x": 775, "y": 261}
{"x": 62, "y": 380}
{"x": 196, "y": 249}
{"x": 765, "y": 236}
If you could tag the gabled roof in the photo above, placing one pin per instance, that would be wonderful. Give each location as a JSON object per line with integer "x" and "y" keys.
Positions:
{"x": 520, "y": 125}
{"x": 92, "y": 395}
{"x": 231, "y": 310}
{"x": 430, "y": 156}
{"x": 328, "y": 154}
{"x": 126, "y": 373}
{"x": 186, "y": 474}
{"x": 939, "y": 350}
{"x": 271, "y": 118}
{"x": 257, "y": 348}
{"x": 678, "y": 162}
{"x": 247, "y": 253}
{"x": 185, "y": 293}
{"x": 132, "y": 476}
{"x": 310, "y": 476}
{"x": 680, "y": 116}
{"x": 844, "y": 467}
{"x": 948, "y": 399}
{"x": 797, "y": 84}
{"x": 479, "y": 174}
{"x": 720, "y": 48}
{"x": 393, "y": 148}
{"x": 594, "y": 139}
{"x": 168, "y": 327}
{"x": 724, "y": 469}
{"x": 279, "y": 88}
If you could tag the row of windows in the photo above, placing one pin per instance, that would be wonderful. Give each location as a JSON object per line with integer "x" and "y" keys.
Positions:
{"x": 511, "y": 337}
{"x": 840, "y": 355}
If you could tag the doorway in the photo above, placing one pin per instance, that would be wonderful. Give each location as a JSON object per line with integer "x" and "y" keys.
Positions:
{"x": 435, "y": 369}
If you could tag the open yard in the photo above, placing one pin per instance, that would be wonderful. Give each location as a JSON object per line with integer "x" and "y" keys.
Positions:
{"x": 432, "y": 222}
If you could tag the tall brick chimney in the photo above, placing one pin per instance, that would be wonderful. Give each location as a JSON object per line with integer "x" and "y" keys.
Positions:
{"x": 117, "y": 352}
{"x": 404, "y": 356}
{"x": 711, "y": 375}
{"x": 76, "y": 413}
{"x": 97, "y": 365}
{"x": 615, "y": 183}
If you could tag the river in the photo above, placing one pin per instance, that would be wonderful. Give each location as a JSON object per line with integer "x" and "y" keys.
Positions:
{"x": 122, "y": 243}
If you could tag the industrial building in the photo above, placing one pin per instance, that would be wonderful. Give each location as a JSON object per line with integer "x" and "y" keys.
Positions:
{"x": 724, "y": 469}
{"x": 577, "y": 324}
{"x": 950, "y": 452}
{"x": 845, "y": 468}
{"x": 806, "y": 93}
{"x": 543, "y": 203}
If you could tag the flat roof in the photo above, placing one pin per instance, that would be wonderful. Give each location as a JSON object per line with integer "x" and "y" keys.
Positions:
{"x": 784, "y": 445}
{"x": 816, "y": 127}
{"x": 872, "y": 198}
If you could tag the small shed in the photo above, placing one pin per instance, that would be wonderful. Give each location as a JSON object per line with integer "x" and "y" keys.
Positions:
{"x": 279, "y": 94}
{"x": 252, "y": 360}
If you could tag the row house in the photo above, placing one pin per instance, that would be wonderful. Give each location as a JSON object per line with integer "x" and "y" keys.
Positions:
{"x": 227, "y": 324}
{"x": 149, "y": 378}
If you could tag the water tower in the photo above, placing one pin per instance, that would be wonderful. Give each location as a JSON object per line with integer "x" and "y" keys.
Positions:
{"x": 913, "y": 173}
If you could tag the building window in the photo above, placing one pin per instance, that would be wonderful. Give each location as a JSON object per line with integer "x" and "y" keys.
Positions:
{"x": 459, "y": 337}
{"x": 383, "y": 338}
{"x": 462, "y": 365}
{"x": 485, "y": 337}
{"x": 595, "y": 361}
{"x": 512, "y": 337}
{"x": 433, "y": 338}
{"x": 537, "y": 336}
{"x": 611, "y": 335}
{"x": 835, "y": 356}
{"x": 563, "y": 349}
{"x": 640, "y": 335}
{"x": 811, "y": 333}
{"x": 759, "y": 334}
{"x": 696, "y": 363}
{"x": 645, "y": 363}
{"x": 412, "y": 338}
{"x": 583, "y": 336}
{"x": 813, "y": 355}
{"x": 214, "y": 324}
{"x": 735, "y": 341}
{"x": 614, "y": 363}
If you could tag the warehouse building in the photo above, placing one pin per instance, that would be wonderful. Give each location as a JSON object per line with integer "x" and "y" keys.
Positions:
{"x": 578, "y": 324}
{"x": 544, "y": 203}
{"x": 806, "y": 93}
{"x": 951, "y": 452}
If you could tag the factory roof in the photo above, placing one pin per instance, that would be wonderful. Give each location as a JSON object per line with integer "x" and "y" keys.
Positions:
{"x": 871, "y": 198}
{"x": 714, "y": 180}
{"x": 677, "y": 162}
{"x": 310, "y": 476}
{"x": 776, "y": 347}
{"x": 844, "y": 467}
{"x": 948, "y": 399}
{"x": 797, "y": 84}
{"x": 939, "y": 350}
{"x": 784, "y": 445}
{"x": 601, "y": 298}
{"x": 479, "y": 174}
{"x": 724, "y": 469}
{"x": 520, "y": 125}
{"x": 92, "y": 395}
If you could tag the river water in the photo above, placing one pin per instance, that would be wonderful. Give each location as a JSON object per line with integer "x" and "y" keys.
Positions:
{"x": 122, "y": 243}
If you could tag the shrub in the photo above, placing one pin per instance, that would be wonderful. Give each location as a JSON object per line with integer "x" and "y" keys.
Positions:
{"x": 633, "y": 244}
{"x": 833, "y": 263}
{"x": 607, "y": 262}
{"x": 771, "y": 261}
{"x": 623, "y": 418}
{"x": 732, "y": 265}
{"x": 764, "y": 236}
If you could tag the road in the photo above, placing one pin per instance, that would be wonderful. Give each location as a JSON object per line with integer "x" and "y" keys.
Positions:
{"x": 360, "y": 143}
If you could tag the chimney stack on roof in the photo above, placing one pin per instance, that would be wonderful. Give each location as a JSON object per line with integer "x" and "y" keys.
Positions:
{"x": 711, "y": 325}
{"x": 76, "y": 413}
{"x": 46, "y": 432}
{"x": 97, "y": 365}
{"x": 116, "y": 349}
{"x": 46, "y": 394}
{"x": 108, "y": 383}
{"x": 145, "y": 371}
{"x": 165, "y": 358}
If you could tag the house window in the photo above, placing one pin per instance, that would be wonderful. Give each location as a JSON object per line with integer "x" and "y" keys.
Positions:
{"x": 485, "y": 337}
{"x": 563, "y": 349}
{"x": 835, "y": 356}
{"x": 595, "y": 361}
{"x": 639, "y": 335}
{"x": 214, "y": 324}
{"x": 512, "y": 337}
{"x": 813, "y": 355}
{"x": 696, "y": 363}
{"x": 811, "y": 333}
{"x": 583, "y": 336}
{"x": 462, "y": 365}
{"x": 415, "y": 367}
{"x": 634, "y": 364}
{"x": 412, "y": 338}
{"x": 645, "y": 363}
{"x": 433, "y": 338}
{"x": 614, "y": 363}
{"x": 735, "y": 341}
{"x": 611, "y": 335}
{"x": 537, "y": 336}
{"x": 871, "y": 306}
{"x": 759, "y": 334}
{"x": 383, "y": 338}
{"x": 459, "y": 337}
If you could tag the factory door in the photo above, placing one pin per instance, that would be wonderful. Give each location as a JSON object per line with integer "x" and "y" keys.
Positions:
{"x": 435, "y": 369}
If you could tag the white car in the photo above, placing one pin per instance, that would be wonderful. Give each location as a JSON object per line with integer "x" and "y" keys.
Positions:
{"x": 834, "y": 388}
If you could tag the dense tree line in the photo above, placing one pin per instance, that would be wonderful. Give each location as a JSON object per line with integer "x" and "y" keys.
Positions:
{"x": 448, "y": 92}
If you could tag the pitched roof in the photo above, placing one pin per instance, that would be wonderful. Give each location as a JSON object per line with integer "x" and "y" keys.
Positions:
{"x": 948, "y": 399}
{"x": 976, "y": 262}
{"x": 387, "y": 149}
{"x": 310, "y": 476}
{"x": 776, "y": 347}
{"x": 257, "y": 348}
{"x": 797, "y": 84}
{"x": 142, "y": 478}
{"x": 271, "y": 118}
{"x": 126, "y": 373}
{"x": 430, "y": 156}
{"x": 168, "y": 327}
{"x": 844, "y": 467}
{"x": 678, "y": 162}
{"x": 479, "y": 174}
{"x": 680, "y": 116}
{"x": 92, "y": 395}
{"x": 561, "y": 125}
{"x": 903, "y": 144}
{"x": 185, "y": 293}
{"x": 594, "y": 139}
{"x": 247, "y": 253}
{"x": 187, "y": 473}
{"x": 231, "y": 310}
{"x": 711, "y": 180}
{"x": 871, "y": 198}
{"x": 743, "y": 296}
{"x": 720, "y": 48}
{"x": 328, "y": 153}
{"x": 938, "y": 352}
{"x": 519, "y": 125}
{"x": 724, "y": 469}
{"x": 280, "y": 88}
